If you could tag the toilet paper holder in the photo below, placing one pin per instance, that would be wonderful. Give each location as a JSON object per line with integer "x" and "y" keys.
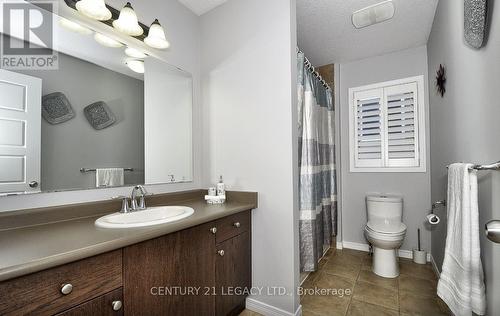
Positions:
{"x": 432, "y": 218}
{"x": 438, "y": 203}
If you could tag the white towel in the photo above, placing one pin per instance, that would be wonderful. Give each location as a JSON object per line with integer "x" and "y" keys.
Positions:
{"x": 461, "y": 283}
{"x": 109, "y": 177}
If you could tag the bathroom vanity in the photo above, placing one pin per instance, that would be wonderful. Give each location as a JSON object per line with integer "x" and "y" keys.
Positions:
{"x": 70, "y": 267}
{"x": 100, "y": 122}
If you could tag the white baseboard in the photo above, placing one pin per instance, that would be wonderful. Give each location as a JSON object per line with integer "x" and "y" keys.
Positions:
{"x": 339, "y": 245}
{"x": 434, "y": 267}
{"x": 408, "y": 254}
{"x": 356, "y": 246}
{"x": 269, "y": 310}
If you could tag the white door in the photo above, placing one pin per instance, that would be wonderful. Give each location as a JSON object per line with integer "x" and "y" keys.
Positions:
{"x": 20, "y": 123}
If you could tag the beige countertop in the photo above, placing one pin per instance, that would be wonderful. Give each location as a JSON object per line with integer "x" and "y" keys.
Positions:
{"x": 37, "y": 247}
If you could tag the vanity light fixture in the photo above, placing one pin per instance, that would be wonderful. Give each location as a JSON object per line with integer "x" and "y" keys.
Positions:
{"x": 94, "y": 9}
{"x": 156, "y": 36}
{"x": 75, "y": 27}
{"x": 373, "y": 14}
{"x": 106, "y": 41}
{"x": 124, "y": 21}
{"x": 136, "y": 65}
{"x": 135, "y": 53}
{"x": 127, "y": 22}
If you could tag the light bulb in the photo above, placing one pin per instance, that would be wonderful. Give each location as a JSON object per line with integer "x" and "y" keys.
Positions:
{"x": 107, "y": 41}
{"x": 136, "y": 65}
{"x": 156, "y": 36}
{"x": 94, "y": 9}
{"x": 127, "y": 22}
{"x": 132, "y": 52}
{"x": 75, "y": 27}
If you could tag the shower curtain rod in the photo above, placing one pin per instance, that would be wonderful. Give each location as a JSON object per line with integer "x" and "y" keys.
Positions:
{"x": 311, "y": 68}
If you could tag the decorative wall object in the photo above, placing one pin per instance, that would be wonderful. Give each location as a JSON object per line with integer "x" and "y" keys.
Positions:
{"x": 56, "y": 108}
{"x": 441, "y": 80}
{"x": 475, "y": 17}
{"x": 99, "y": 115}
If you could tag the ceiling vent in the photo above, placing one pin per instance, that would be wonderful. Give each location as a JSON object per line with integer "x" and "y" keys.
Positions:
{"x": 373, "y": 14}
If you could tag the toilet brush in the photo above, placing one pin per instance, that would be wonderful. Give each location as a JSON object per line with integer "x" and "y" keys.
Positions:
{"x": 419, "y": 255}
{"x": 418, "y": 236}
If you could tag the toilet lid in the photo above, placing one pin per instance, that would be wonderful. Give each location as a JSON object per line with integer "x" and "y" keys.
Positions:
{"x": 384, "y": 228}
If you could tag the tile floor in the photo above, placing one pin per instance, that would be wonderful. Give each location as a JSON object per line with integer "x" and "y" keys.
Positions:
{"x": 412, "y": 293}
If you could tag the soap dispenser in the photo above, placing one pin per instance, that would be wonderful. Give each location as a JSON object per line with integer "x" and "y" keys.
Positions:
{"x": 221, "y": 187}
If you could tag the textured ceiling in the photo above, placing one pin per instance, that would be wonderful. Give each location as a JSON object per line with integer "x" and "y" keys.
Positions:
{"x": 326, "y": 34}
{"x": 200, "y": 7}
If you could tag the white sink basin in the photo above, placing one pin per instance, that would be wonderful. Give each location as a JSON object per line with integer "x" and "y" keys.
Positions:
{"x": 148, "y": 217}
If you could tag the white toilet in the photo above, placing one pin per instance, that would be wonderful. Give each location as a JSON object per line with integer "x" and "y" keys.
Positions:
{"x": 385, "y": 231}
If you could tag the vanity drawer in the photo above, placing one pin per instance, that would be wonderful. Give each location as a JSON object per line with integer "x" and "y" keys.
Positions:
{"x": 110, "y": 304}
{"x": 41, "y": 293}
{"x": 233, "y": 225}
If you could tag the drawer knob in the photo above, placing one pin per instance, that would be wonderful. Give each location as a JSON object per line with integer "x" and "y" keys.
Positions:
{"x": 237, "y": 224}
{"x": 213, "y": 230}
{"x": 221, "y": 253}
{"x": 66, "y": 288}
{"x": 117, "y": 305}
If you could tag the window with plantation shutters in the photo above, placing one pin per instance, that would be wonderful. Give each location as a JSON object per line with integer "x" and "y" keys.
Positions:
{"x": 387, "y": 127}
{"x": 369, "y": 128}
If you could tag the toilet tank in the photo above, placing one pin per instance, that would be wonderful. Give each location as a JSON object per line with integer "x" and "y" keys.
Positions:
{"x": 384, "y": 209}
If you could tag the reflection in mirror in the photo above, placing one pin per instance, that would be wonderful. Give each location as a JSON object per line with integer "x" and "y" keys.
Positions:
{"x": 169, "y": 123}
{"x": 95, "y": 121}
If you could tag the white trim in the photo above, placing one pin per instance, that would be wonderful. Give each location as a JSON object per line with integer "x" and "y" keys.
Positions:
{"x": 402, "y": 253}
{"x": 356, "y": 246}
{"x": 407, "y": 254}
{"x": 338, "y": 152}
{"x": 418, "y": 164}
{"x": 305, "y": 278}
{"x": 339, "y": 245}
{"x": 269, "y": 310}
{"x": 434, "y": 266}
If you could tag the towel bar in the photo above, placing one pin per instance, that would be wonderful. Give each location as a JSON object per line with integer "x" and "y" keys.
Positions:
{"x": 83, "y": 170}
{"x": 493, "y": 166}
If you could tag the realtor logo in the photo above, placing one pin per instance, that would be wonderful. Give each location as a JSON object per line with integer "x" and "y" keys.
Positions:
{"x": 27, "y": 40}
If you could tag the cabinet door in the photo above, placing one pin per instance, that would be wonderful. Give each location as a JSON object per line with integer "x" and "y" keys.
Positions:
{"x": 233, "y": 273}
{"x": 106, "y": 305}
{"x": 171, "y": 274}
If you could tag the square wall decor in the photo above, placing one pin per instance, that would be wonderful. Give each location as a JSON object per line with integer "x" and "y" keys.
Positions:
{"x": 99, "y": 115}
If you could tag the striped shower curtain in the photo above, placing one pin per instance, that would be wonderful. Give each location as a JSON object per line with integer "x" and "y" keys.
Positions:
{"x": 317, "y": 186}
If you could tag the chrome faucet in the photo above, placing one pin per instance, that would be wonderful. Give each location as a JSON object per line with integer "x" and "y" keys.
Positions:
{"x": 142, "y": 200}
{"x": 134, "y": 206}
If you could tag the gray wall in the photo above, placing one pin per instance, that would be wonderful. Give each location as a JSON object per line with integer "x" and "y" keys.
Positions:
{"x": 74, "y": 144}
{"x": 414, "y": 187}
{"x": 464, "y": 124}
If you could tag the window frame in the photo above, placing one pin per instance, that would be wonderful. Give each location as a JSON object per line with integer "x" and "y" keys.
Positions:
{"x": 420, "y": 162}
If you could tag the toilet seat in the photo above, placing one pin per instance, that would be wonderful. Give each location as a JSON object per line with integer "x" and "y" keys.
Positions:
{"x": 383, "y": 228}
{"x": 393, "y": 236}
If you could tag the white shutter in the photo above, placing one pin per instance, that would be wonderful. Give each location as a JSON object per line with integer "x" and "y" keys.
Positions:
{"x": 402, "y": 125}
{"x": 366, "y": 111}
{"x": 387, "y": 127}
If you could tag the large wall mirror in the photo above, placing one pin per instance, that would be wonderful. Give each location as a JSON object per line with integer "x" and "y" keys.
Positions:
{"x": 95, "y": 121}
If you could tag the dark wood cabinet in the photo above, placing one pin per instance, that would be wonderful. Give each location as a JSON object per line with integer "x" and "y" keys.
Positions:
{"x": 169, "y": 275}
{"x": 197, "y": 271}
{"x": 233, "y": 274}
{"x": 203, "y": 270}
{"x": 41, "y": 293}
{"x": 106, "y": 305}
